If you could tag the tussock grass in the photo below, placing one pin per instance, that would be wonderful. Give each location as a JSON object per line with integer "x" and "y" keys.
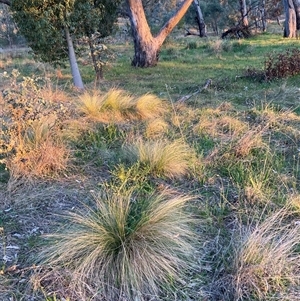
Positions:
{"x": 267, "y": 264}
{"x": 113, "y": 106}
{"x": 169, "y": 159}
{"x": 119, "y": 106}
{"x": 150, "y": 106}
{"x": 221, "y": 126}
{"x": 156, "y": 128}
{"x": 125, "y": 246}
{"x": 251, "y": 140}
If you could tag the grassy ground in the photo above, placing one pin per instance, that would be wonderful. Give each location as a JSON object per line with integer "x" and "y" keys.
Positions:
{"x": 93, "y": 185}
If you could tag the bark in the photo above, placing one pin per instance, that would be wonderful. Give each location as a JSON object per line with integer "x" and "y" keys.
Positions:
{"x": 73, "y": 62}
{"x": 263, "y": 16}
{"x": 200, "y": 20}
{"x": 146, "y": 47}
{"x": 98, "y": 68}
{"x": 243, "y": 10}
{"x": 290, "y": 24}
{"x": 297, "y": 11}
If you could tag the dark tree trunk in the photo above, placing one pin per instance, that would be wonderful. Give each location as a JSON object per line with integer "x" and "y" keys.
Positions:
{"x": 263, "y": 16}
{"x": 297, "y": 11}
{"x": 146, "y": 47}
{"x": 200, "y": 20}
{"x": 97, "y": 67}
{"x": 243, "y": 10}
{"x": 290, "y": 24}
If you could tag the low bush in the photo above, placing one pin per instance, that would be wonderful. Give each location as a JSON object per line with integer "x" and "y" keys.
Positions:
{"x": 31, "y": 131}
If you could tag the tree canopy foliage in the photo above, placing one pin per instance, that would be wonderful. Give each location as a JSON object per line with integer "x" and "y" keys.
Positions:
{"x": 43, "y": 23}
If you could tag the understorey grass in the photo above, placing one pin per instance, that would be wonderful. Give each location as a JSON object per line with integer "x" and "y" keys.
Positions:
{"x": 132, "y": 195}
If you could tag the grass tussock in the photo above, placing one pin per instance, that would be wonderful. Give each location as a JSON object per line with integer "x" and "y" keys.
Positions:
{"x": 169, "y": 159}
{"x": 119, "y": 106}
{"x": 125, "y": 246}
{"x": 156, "y": 128}
{"x": 150, "y": 106}
{"x": 267, "y": 265}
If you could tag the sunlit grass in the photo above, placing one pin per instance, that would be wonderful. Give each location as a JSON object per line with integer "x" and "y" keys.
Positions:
{"x": 120, "y": 106}
{"x": 169, "y": 159}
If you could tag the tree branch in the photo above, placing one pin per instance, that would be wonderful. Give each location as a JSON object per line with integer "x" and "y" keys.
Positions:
{"x": 186, "y": 97}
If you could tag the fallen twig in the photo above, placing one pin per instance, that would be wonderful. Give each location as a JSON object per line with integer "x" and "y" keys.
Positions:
{"x": 186, "y": 97}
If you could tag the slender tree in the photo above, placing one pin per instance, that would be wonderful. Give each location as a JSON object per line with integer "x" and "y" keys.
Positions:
{"x": 200, "y": 19}
{"x": 51, "y": 26}
{"x": 243, "y": 10}
{"x": 147, "y": 46}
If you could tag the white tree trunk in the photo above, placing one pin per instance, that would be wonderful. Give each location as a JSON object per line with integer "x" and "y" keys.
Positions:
{"x": 73, "y": 62}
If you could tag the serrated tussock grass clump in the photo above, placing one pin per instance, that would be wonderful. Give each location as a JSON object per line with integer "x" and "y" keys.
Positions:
{"x": 267, "y": 264}
{"x": 164, "y": 158}
{"x": 150, "y": 106}
{"x": 156, "y": 127}
{"x": 114, "y": 106}
{"x": 119, "y": 106}
{"x": 125, "y": 246}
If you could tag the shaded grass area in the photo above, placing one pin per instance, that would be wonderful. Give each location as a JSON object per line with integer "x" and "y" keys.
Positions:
{"x": 216, "y": 176}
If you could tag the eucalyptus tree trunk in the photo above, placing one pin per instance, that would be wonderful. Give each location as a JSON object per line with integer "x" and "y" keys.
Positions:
{"x": 290, "y": 24}
{"x": 73, "y": 62}
{"x": 200, "y": 20}
{"x": 297, "y": 12}
{"x": 146, "y": 46}
{"x": 243, "y": 10}
{"x": 263, "y": 16}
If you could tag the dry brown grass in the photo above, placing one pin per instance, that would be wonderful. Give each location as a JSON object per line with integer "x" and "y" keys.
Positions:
{"x": 156, "y": 128}
{"x": 119, "y": 106}
{"x": 267, "y": 264}
{"x": 220, "y": 124}
{"x": 252, "y": 139}
{"x": 150, "y": 106}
